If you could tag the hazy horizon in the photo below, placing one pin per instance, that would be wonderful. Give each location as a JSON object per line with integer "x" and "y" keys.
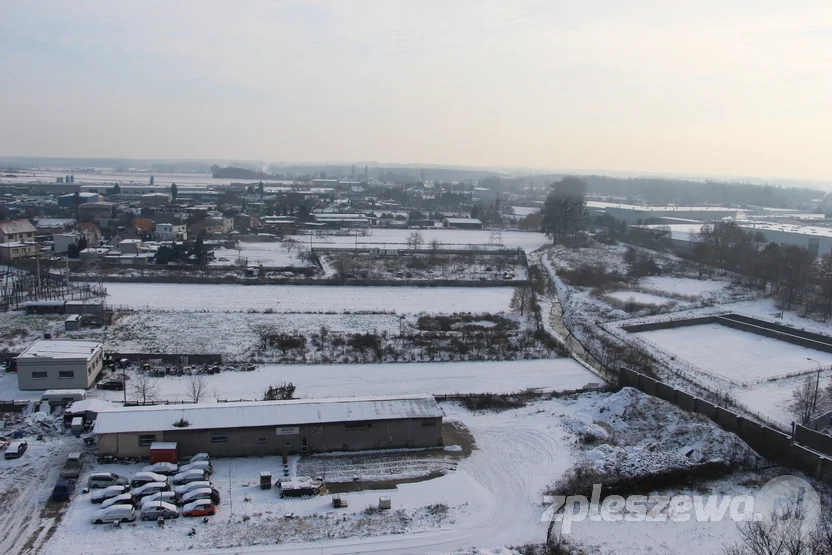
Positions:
{"x": 694, "y": 88}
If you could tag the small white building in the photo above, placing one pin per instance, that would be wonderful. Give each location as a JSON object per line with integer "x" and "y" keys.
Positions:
{"x": 171, "y": 232}
{"x": 62, "y": 241}
{"x": 130, "y": 246}
{"x": 59, "y": 364}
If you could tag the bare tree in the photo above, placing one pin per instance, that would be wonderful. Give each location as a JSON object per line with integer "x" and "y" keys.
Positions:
{"x": 803, "y": 398}
{"x": 415, "y": 240}
{"x": 144, "y": 388}
{"x": 291, "y": 244}
{"x": 197, "y": 387}
{"x": 265, "y": 334}
{"x": 785, "y": 533}
{"x": 523, "y": 299}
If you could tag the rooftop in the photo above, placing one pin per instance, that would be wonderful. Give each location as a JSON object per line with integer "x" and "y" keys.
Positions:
{"x": 266, "y": 413}
{"x": 463, "y": 221}
{"x": 60, "y": 349}
{"x": 17, "y": 226}
{"x": 787, "y": 228}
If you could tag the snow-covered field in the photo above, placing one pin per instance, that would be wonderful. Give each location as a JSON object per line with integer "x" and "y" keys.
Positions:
{"x": 259, "y": 253}
{"x": 683, "y": 286}
{"x": 308, "y": 298}
{"x": 525, "y": 240}
{"x": 344, "y": 380}
{"x": 491, "y": 498}
{"x": 735, "y": 354}
{"x": 638, "y": 297}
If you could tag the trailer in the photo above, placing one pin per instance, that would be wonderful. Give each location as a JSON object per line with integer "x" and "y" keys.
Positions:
{"x": 300, "y": 486}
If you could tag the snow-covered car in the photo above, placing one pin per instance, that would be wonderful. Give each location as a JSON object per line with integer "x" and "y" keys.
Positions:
{"x": 199, "y": 457}
{"x": 115, "y": 513}
{"x": 166, "y": 496}
{"x": 163, "y": 468}
{"x": 198, "y": 465}
{"x": 106, "y": 479}
{"x": 200, "y": 493}
{"x": 148, "y": 488}
{"x": 189, "y": 476}
{"x": 108, "y": 493}
{"x": 123, "y": 499}
{"x": 156, "y": 509}
{"x": 200, "y": 507}
{"x": 190, "y": 486}
{"x": 142, "y": 478}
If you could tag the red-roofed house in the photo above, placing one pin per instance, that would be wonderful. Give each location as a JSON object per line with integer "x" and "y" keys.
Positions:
{"x": 91, "y": 233}
{"x": 143, "y": 227}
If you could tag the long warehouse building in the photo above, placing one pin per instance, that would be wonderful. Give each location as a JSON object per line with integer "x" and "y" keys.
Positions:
{"x": 297, "y": 427}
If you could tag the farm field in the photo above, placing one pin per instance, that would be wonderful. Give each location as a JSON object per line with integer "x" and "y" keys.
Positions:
{"x": 256, "y": 254}
{"x": 735, "y": 354}
{"x": 347, "y": 380}
{"x": 308, "y": 298}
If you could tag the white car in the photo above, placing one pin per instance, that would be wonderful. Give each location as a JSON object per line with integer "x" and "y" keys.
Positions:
{"x": 163, "y": 468}
{"x": 108, "y": 493}
{"x": 142, "y": 478}
{"x": 190, "y": 486}
{"x": 200, "y": 493}
{"x": 189, "y": 476}
{"x": 166, "y": 496}
{"x": 198, "y": 465}
{"x": 123, "y": 499}
{"x": 150, "y": 487}
{"x": 199, "y": 457}
{"x": 115, "y": 513}
{"x": 156, "y": 509}
{"x": 106, "y": 479}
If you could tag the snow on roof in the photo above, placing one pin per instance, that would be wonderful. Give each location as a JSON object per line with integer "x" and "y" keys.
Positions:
{"x": 17, "y": 226}
{"x": 266, "y": 413}
{"x": 787, "y": 228}
{"x": 463, "y": 220}
{"x": 12, "y": 244}
{"x": 164, "y": 445}
{"x": 55, "y": 222}
{"x": 667, "y": 208}
{"x": 88, "y": 405}
{"x": 60, "y": 349}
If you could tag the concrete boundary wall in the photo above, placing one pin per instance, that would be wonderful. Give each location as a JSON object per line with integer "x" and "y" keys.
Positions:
{"x": 807, "y": 450}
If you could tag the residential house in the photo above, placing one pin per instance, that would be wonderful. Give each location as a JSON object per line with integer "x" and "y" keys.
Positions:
{"x": 171, "y": 232}
{"x": 155, "y": 199}
{"x": 142, "y": 227}
{"x": 17, "y": 231}
{"x": 90, "y": 232}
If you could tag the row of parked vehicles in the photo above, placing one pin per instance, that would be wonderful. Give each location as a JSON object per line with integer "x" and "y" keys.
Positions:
{"x": 159, "y": 491}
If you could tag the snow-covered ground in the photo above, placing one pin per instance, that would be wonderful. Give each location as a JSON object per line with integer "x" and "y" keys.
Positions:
{"x": 683, "y": 286}
{"x": 735, "y": 354}
{"x": 491, "y": 498}
{"x": 269, "y": 254}
{"x": 525, "y": 240}
{"x": 344, "y": 380}
{"x": 308, "y": 298}
{"x": 638, "y": 297}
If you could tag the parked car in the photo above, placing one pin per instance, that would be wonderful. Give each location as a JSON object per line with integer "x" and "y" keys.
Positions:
{"x": 163, "y": 468}
{"x": 199, "y": 457}
{"x": 198, "y": 465}
{"x": 142, "y": 478}
{"x": 121, "y": 499}
{"x": 189, "y": 476}
{"x": 200, "y": 493}
{"x": 190, "y": 486}
{"x": 72, "y": 466}
{"x": 156, "y": 509}
{"x": 106, "y": 479}
{"x": 200, "y": 507}
{"x": 166, "y": 496}
{"x": 112, "y": 385}
{"x": 62, "y": 490}
{"x": 150, "y": 487}
{"x": 15, "y": 450}
{"x": 108, "y": 493}
{"x": 115, "y": 513}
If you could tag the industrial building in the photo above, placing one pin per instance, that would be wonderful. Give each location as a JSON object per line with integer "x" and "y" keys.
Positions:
{"x": 303, "y": 426}
{"x": 59, "y": 364}
{"x": 665, "y": 214}
{"x": 462, "y": 223}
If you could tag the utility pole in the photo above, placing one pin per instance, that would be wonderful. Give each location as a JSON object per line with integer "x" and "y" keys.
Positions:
{"x": 817, "y": 386}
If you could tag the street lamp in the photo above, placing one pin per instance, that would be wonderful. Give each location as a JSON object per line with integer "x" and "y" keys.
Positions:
{"x": 817, "y": 385}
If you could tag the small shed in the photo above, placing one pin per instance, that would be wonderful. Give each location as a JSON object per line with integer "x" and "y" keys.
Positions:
{"x": 163, "y": 451}
{"x": 72, "y": 322}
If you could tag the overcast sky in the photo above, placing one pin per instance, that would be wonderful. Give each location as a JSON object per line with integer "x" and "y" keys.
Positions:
{"x": 730, "y": 87}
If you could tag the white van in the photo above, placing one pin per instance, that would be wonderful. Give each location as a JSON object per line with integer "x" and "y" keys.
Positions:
{"x": 63, "y": 396}
{"x": 115, "y": 513}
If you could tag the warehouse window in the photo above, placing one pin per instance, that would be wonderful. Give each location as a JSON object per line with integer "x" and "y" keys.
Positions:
{"x": 262, "y": 440}
{"x": 66, "y": 374}
{"x": 146, "y": 440}
{"x": 219, "y": 437}
{"x": 39, "y": 375}
{"x": 429, "y": 423}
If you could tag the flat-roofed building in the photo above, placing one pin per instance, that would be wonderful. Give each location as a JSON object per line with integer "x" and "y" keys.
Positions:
{"x": 59, "y": 364}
